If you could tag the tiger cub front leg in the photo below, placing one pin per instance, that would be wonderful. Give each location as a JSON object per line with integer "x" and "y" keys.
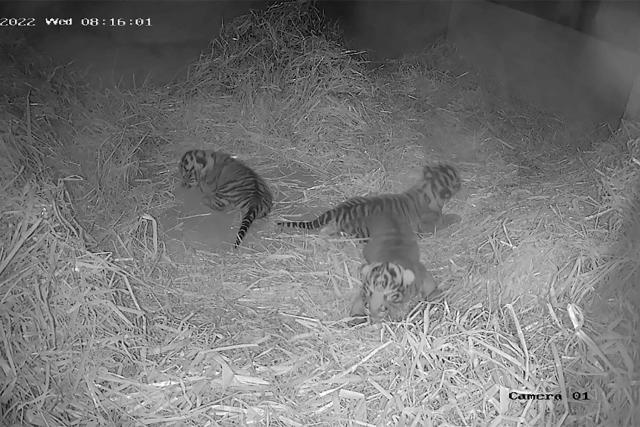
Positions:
{"x": 358, "y": 310}
{"x": 428, "y": 284}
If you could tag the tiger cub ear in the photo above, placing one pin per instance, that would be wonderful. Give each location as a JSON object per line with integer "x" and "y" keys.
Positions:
{"x": 408, "y": 276}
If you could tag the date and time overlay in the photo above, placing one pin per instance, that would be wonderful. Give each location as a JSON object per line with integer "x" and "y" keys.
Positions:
{"x": 24, "y": 22}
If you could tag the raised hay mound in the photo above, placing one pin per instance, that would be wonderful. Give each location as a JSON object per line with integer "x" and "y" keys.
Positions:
{"x": 288, "y": 73}
{"x": 101, "y": 327}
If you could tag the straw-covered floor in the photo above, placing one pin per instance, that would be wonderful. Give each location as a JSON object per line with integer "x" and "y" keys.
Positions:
{"x": 103, "y": 325}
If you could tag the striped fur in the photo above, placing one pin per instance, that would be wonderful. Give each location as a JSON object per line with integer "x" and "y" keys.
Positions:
{"x": 392, "y": 274}
{"x": 227, "y": 182}
{"x": 421, "y": 205}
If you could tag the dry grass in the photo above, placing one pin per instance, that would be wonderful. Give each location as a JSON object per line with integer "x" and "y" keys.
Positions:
{"x": 101, "y": 327}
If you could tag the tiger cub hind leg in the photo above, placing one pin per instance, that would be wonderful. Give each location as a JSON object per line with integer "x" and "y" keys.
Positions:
{"x": 215, "y": 202}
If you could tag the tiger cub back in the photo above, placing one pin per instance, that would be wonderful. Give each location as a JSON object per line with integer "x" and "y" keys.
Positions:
{"x": 227, "y": 182}
{"x": 420, "y": 205}
{"x": 392, "y": 275}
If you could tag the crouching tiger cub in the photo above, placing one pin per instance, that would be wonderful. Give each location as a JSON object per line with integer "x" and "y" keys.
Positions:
{"x": 392, "y": 275}
{"x": 227, "y": 182}
{"x": 420, "y": 206}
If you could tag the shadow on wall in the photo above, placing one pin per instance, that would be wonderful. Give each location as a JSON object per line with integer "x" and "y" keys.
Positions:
{"x": 127, "y": 55}
{"x": 584, "y": 80}
{"x": 576, "y": 14}
{"x": 389, "y": 29}
{"x": 618, "y": 22}
{"x": 612, "y": 21}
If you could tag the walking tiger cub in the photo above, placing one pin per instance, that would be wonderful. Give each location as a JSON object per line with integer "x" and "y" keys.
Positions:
{"x": 420, "y": 206}
{"x": 392, "y": 275}
{"x": 227, "y": 182}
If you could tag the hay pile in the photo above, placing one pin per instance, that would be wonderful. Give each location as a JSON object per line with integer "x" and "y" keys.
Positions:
{"x": 100, "y": 327}
{"x": 289, "y": 77}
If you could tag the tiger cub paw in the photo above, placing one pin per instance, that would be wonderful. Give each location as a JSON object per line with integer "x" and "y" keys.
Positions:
{"x": 356, "y": 320}
{"x": 358, "y": 311}
{"x": 428, "y": 286}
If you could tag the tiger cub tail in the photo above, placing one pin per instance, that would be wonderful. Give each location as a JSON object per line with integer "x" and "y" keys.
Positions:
{"x": 346, "y": 212}
{"x": 255, "y": 211}
{"x": 322, "y": 220}
{"x": 256, "y": 207}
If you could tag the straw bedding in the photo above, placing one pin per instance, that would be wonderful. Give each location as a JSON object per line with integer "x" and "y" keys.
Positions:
{"x": 102, "y": 325}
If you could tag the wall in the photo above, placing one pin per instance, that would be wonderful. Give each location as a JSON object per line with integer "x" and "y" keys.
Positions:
{"x": 584, "y": 80}
{"x": 618, "y": 22}
{"x": 576, "y": 14}
{"x": 388, "y": 29}
{"x": 128, "y": 55}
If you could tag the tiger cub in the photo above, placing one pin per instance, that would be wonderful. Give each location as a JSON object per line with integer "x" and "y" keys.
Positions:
{"x": 420, "y": 205}
{"x": 227, "y": 182}
{"x": 392, "y": 275}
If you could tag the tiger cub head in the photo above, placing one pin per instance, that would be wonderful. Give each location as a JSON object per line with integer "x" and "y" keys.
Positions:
{"x": 191, "y": 167}
{"x": 444, "y": 180}
{"x": 387, "y": 289}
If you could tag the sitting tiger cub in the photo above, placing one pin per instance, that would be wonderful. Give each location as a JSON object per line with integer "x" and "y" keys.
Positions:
{"x": 226, "y": 181}
{"x": 392, "y": 276}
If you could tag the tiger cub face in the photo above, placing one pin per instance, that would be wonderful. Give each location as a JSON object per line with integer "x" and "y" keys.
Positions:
{"x": 192, "y": 166}
{"x": 197, "y": 167}
{"x": 387, "y": 287}
{"x": 444, "y": 180}
{"x": 387, "y": 290}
